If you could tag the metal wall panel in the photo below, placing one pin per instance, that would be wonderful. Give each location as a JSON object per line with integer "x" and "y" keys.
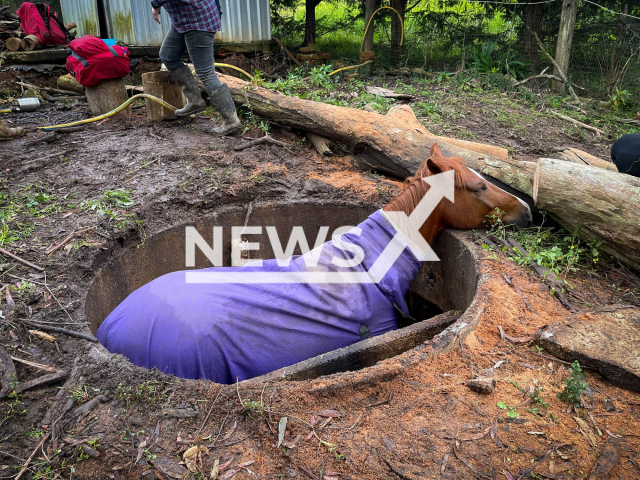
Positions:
{"x": 130, "y": 21}
{"x": 245, "y": 21}
{"x": 84, "y": 13}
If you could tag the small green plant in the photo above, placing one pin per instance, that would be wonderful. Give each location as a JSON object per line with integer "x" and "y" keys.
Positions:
{"x": 511, "y": 411}
{"x": 491, "y": 61}
{"x": 620, "y": 97}
{"x": 574, "y": 385}
{"x": 319, "y": 76}
{"x": 534, "y": 393}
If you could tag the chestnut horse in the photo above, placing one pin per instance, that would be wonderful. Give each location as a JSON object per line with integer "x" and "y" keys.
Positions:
{"x": 228, "y": 330}
{"x": 475, "y": 203}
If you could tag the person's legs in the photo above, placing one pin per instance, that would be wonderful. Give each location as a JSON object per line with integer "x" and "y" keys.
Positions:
{"x": 172, "y": 49}
{"x": 171, "y": 52}
{"x": 200, "y": 47}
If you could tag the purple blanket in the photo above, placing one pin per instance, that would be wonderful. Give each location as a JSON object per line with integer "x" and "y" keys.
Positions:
{"x": 229, "y": 332}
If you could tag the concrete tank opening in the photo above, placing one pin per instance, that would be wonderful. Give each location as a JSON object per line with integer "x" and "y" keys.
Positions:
{"x": 438, "y": 296}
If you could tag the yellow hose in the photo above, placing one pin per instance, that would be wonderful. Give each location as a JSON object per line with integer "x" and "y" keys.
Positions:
{"x": 8, "y": 110}
{"x": 111, "y": 113}
{"x": 371, "y": 19}
{"x": 352, "y": 66}
{"x": 226, "y": 65}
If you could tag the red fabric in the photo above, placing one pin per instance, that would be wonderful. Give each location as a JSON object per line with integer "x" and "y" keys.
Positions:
{"x": 102, "y": 65}
{"x": 32, "y": 23}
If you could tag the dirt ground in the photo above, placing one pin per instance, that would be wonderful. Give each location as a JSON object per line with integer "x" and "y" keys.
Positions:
{"x": 423, "y": 423}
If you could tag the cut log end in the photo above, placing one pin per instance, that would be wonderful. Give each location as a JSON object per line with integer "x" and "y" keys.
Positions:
{"x": 13, "y": 44}
{"x": 30, "y": 43}
{"x": 106, "y": 96}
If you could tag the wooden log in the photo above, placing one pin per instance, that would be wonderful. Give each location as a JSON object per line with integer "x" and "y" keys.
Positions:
{"x": 163, "y": 86}
{"x": 601, "y": 204}
{"x": 30, "y": 43}
{"x": 574, "y": 155}
{"x": 13, "y": 44}
{"x": 69, "y": 83}
{"x": 106, "y": 96}
{"x": 395, "y": 143}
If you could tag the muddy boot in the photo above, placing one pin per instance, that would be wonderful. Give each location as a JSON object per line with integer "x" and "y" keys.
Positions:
{"x": 7, "y": 133}
{"x": 189, "y": 86}
{"x": 223, "y": 103}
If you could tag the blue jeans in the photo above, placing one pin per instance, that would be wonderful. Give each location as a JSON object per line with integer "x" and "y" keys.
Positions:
{"x": 200, "y": 47}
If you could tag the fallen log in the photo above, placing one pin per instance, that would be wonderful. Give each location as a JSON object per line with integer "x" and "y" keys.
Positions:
{"x": 601, "y": 204}
{"x": 574, "y": 155}
{"x": 395, "y": 143}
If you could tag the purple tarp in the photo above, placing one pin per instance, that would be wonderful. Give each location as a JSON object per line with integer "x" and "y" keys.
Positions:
{"x": 229, "y": 332}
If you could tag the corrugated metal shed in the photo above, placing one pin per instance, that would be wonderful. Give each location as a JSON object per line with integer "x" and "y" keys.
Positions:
{"x": 84, "y": 13}
{"x": 130, "y": 21}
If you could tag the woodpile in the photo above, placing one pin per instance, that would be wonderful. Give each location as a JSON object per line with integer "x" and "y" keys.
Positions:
{"x": 312, "y": 54}
{"x": 10, "y": 33}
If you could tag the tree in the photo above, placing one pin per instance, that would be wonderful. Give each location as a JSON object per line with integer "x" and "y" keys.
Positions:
{"x": 310, "y": 21}
{"x": 565, "y": 38}
{"x": 370, "y": 7}
{"x": 396, "y": 28}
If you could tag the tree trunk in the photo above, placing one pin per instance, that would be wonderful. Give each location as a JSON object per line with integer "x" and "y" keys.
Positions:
{"x": 30, "y": 43}
{"x": 163, "y": 86}
{"x": 69, "y": 83}
{"x": 602, "y": 203}
{"x": 310, "y": 22}
{"x": 370, "y": 7}
{"x": 106, "y": 96}
{"x": 565, "y": 38}
{"x": 533, "y": 17}
{"x": 579, "y": 157}
{"x": 396, "y": 29}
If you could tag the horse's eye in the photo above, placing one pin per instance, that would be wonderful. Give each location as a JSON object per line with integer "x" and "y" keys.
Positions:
{"x": 481, "y": 189}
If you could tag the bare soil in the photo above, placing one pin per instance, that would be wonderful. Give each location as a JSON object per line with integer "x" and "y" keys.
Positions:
{"x": 423, "y": 423}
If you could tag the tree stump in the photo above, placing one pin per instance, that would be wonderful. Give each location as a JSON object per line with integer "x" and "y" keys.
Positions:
{"x": 69, "y": 83}
{"x": 107, "y": 96}
{"x": 13, "y": 44}
{"x": 163, "y": 86}
{"x": 30, "y": 43}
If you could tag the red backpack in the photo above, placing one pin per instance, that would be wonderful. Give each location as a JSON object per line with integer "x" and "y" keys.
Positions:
{"x": 37, "y": 20}
{"x": 92, "y": 61}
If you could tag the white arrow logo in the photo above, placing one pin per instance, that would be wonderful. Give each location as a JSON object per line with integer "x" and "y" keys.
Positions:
{"x": 407, "y": 235}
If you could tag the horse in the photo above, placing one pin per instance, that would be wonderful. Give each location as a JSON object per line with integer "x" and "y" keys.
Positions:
{"x": 235, "y": 331}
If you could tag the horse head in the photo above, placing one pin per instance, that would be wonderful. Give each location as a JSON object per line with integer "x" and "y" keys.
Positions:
{"x": 478, "y": 203}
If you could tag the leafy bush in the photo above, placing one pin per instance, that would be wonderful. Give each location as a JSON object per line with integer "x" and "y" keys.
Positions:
{"x": 489, "y": 60}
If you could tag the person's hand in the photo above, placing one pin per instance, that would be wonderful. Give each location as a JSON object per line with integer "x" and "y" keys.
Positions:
{"x": 156, "y": 14}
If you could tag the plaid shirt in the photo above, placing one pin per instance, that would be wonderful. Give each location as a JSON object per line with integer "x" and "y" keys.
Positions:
{"x": 187, "y": 15}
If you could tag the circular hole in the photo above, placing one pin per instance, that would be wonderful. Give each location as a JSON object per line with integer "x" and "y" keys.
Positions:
{"x": 438, "y": 295}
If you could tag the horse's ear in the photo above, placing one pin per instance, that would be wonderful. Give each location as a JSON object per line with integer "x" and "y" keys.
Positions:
{"x": 433, "y": 166}
{"x": 435, "y": 151}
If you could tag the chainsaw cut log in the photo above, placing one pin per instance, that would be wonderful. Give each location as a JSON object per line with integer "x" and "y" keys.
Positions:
{"x": 69, "y": 83}
{"x": 13, "y": 44}
{"x": 574, "y": 155}
{"x": 601, "y": 204}
{"x": 163, "y": 86}
{"x": 106, "y": 96}
{"x": 30, "y": 43}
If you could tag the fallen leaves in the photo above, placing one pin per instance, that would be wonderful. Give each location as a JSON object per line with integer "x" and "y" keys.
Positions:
{"x": 42, "y": 335}
{"x": 330, "y": 413}
{"x": 586, "y": 431}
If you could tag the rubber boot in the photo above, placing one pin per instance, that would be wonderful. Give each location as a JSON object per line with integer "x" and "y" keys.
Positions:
{"x": 223, "y": 103}
{"x": 189, "y": 86}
